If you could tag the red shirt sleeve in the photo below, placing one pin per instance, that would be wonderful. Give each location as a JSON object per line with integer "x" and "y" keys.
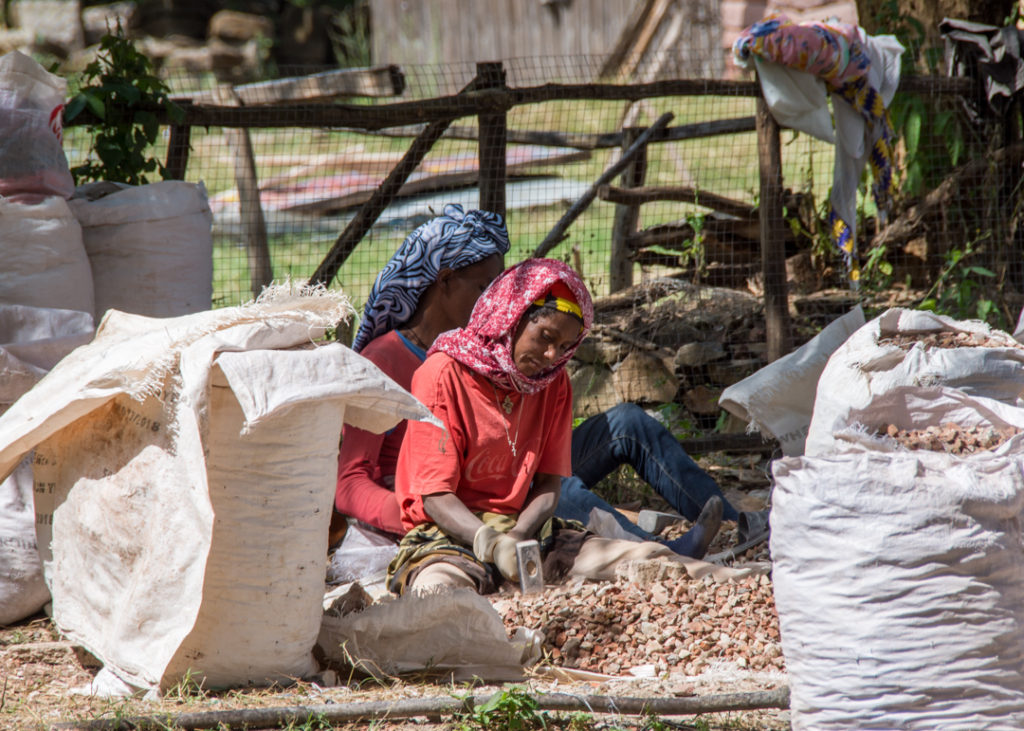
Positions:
{"x": 362, "y": 491}
{"x": 366, "y": 462}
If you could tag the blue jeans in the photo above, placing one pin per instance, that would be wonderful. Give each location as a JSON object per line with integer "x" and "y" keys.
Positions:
{"x": 626, "y": 434}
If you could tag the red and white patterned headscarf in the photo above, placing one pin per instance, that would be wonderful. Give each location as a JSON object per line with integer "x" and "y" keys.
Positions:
{"x": 485, "y": 344}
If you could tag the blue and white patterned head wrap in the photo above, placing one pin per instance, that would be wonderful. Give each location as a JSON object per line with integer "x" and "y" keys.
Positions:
{"x": 453, "y": 240}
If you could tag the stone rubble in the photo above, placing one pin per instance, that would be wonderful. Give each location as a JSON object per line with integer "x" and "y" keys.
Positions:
{"x": 946, "y": 339}
{"x": 674, "y": 624}
{"x": 951, "y": 438}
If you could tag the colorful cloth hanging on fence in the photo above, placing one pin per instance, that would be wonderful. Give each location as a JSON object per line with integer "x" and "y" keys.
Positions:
{"x": 859, "y": 70}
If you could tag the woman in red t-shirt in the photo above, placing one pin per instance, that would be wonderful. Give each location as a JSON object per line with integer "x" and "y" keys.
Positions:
{"x": 469, "y": 492}
{"x": 430, "y": 285}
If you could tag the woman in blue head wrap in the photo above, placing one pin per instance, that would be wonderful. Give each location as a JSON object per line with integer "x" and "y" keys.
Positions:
{"x": 452, "y": 241}
{"x": 428, "y": 287}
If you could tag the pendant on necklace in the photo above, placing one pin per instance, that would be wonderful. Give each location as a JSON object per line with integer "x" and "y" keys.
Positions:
{"x": 506, "y": 405}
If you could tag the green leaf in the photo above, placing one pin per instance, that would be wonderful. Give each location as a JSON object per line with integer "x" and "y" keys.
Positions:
{"x": 980, "y": 270}
{"x": 914, "y": 181}
{"x": 955, "y": 147}
{"x": 74, "y": 107}
{"x": 912, "y": 130}
{"x": 150, "y": 126}
{"x": 174, "y": 112}
{"x": 96, "y": 105}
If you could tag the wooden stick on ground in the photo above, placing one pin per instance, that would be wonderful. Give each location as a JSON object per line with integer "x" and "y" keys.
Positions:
{"x": 338, "y": 713}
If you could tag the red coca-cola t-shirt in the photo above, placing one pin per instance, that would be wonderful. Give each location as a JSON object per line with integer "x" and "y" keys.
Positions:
{"x": 474, "y": 459}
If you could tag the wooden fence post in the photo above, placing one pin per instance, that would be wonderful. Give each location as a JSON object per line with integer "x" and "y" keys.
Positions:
{"x": 177, "y": 151}
{"x": 492, "y": 143}
{"x": 773, "y": 245}
{"x": 250, "y": 211}
{"x": 624, "y": 224}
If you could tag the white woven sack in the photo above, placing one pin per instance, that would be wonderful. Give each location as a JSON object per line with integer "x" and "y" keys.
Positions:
{"x": 913, "y": 408}
{"x": 899, "y": 584}
{"x": 863, "y": 368}
{"x": 32, "y": 161}
{"x": 22, "y": 589}
{"x": 193, "y": 463}
{"x": 150, "y": 248}
{"x": 32, "y": 340}
{"x": 44, "y": 261}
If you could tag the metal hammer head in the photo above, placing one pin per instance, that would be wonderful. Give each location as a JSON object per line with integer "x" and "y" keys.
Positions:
{"x": 531, "y": 573}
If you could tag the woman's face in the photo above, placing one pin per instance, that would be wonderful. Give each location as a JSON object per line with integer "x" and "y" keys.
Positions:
{"x": 540, "y": 342}
{"x": 463, "y": 287}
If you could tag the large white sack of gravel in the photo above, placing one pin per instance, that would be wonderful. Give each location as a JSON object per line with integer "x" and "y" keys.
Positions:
{"x": 987, "y": 362}
{"x": 899, "y": 584}
{"x": 150, "y": 246}
{"x": 32, "y": 340}
{"x": 193, "y": 462}
{"x": 44, "y": 263}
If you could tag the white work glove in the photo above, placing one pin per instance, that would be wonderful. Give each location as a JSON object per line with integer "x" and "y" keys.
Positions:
{"x": 491, "y": 546}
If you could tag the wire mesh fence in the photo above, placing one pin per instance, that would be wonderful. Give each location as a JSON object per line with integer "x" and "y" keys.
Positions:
{"x": 952, "y": 240}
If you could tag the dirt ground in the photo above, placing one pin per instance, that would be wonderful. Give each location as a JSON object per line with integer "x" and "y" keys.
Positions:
{"x": 45, "y": 679}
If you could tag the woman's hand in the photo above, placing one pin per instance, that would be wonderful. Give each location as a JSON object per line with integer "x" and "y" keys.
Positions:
{"x": 489, "y": 545}
{"x": 493, "y": 546}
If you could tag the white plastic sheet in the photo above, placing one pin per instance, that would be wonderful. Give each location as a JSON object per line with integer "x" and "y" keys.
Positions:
{"x": 778, "y": 400}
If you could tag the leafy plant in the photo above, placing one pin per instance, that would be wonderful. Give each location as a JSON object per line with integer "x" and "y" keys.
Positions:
{"x": 876, "y": 272}
{"x": 121, "y": 91}
{"x": 513, "y": 709}
{"x": 693, "y": 253}
{"x": 677, "y": 420}
{"x": 578, "y": 721}
{"x": 933, "y": 138}
{"x": 350, "y": 34}
{"x": 958, "y": 291}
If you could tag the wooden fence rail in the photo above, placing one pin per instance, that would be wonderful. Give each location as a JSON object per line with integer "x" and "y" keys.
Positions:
{"x": 476, "y": 102}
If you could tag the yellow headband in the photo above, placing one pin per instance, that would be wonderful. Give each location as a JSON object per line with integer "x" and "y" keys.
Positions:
{"x": 562, "y": 305}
